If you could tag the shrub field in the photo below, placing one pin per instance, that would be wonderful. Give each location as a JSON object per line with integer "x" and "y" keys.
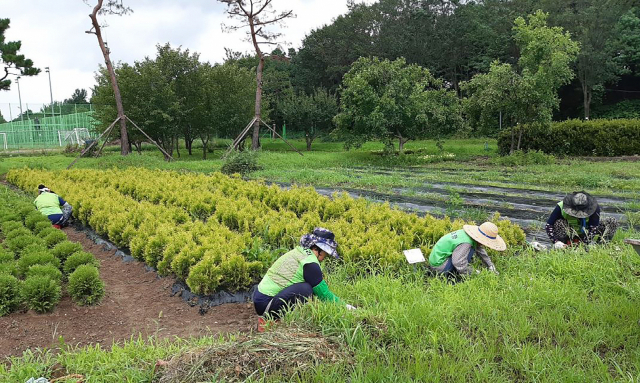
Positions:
{"x": 33, "y": 256}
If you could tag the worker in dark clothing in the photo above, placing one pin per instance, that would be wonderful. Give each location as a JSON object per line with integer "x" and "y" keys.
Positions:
{"x": 576, "y": 219}
{"x": 296, "y": 276}
{"x": 53, "y": 206}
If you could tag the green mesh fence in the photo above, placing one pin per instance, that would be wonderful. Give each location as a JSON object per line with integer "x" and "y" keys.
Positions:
{"x": 47, "y": 132}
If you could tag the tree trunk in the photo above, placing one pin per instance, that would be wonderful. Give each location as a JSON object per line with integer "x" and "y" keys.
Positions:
{"x": 513, "y": 140}
{"x": 401, "y": 143}
{"x": 138, "y": 145}
{"x": 520, "y": 136}
{"x": 255, "y": 140}
{"x": 309, "y": 140}
{"x": 177, "y": 140}
{"x": 586, "y": 98}
{"x": 124, "y": 139}
{"x": 205, "y": 147}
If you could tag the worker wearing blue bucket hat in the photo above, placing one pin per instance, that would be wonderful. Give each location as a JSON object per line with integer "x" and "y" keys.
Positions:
{"x": 296, "y": 276}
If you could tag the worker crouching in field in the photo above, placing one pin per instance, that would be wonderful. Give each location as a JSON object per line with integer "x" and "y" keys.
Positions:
{"x": 453, "y": 253}
{"x": 55, "y": 208}
{"x": 576, "y": 219}
{"x": 296, "y": 276}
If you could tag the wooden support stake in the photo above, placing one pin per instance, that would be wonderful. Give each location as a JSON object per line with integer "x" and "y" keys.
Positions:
{"x": 287, "y": 142}
{"x": 93, "y": 143}
{"x": 150, "y": 139}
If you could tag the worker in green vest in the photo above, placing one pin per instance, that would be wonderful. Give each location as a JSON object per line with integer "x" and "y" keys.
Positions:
{"x": 576, "y": 219}
{"x": 53, "y": 206}
{"x": 296, "y": 276}
{"x": 453, "y": 253}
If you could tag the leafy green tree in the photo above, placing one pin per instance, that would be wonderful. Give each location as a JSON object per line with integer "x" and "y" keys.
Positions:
{"x": 527, "y": 92}
{"x": 2, "y": 120}
{"x": 226, "y": 101}
{"x": 11, "y": 59}
{"x": 388, "y": 100}
{"x": 628, "y": 44}
{"x": 313, "y": 114}
{"x": 79, "y": 96}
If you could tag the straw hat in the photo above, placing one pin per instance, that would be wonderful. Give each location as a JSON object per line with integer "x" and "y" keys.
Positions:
{"x": 579, "y": 204}
{"x": 487, "y": 235}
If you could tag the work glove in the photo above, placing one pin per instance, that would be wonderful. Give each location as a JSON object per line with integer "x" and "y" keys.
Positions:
{"x": 349, "y": 307}
{"x": 493, "y": 270}
{"x": 559, "y": 245}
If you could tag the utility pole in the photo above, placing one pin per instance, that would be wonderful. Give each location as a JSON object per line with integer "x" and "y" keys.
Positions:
{"x": 50, "y": 89}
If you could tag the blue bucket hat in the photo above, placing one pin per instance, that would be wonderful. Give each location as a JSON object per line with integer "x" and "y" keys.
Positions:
{"x": 323, "y": 238}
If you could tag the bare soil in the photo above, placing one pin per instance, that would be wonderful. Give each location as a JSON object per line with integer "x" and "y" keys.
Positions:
{"x": 136, "y": 302}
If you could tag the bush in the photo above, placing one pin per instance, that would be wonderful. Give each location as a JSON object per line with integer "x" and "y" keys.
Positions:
{"x": 36, "y": 247}
{"x": 85, "y": 285}
{"x": 9, "y": 268}
{"x": 43, "y": 258}
{"x": 47, "y": 270}
{"x": 17, "y": 232}
{"x": 34, "y": 218}
{"x": 624, "y": 109}
{"x": 6, "y": 256}
{"x": 41, "y": 226}
{"x": 64, "y": 249}
{"x": 54, "y": 238}
{"x": 40, "y": 293}
{"x": 578, "y": 138}
{"x": 241, "y": 162}
{"x": 78, "y": 259}
{"x": 24, "y": 210}
{"x": 18, "y": 243}
{"x": 520, "y": 158}
{"x": 9, "y": 294}
{"x": 45, "y": 232}
{"x": 11, "y": 225}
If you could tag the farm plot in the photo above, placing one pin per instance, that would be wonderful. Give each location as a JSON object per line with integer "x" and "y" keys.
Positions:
{"x": 135, "y": 301}
{"x": 220, "y": 233}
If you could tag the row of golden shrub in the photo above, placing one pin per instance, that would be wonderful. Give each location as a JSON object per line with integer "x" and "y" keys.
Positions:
{"x": 219, "y": 232}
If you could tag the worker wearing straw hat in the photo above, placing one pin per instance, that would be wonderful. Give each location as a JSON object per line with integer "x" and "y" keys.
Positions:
{"x": 453, "y": 253}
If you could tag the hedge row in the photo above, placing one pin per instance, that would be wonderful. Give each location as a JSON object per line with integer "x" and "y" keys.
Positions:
{"x": 35, "y": 258}
{"x": 605, "y": 138}
{"x": 221, "y": 233}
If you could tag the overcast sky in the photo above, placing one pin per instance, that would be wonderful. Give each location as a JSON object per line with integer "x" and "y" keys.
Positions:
{"x": 53, "y": 34}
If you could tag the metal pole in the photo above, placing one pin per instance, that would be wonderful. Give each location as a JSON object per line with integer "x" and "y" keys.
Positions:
{"x": 19, "y": 96}
{"x": 50, "y": 89}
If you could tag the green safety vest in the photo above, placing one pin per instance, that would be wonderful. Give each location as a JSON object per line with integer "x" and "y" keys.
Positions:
{"x": 577, "y": 224}
{"x": 286, "y": 271}
{"x": 445, "y": 246}
{"x": 48, "y": 203}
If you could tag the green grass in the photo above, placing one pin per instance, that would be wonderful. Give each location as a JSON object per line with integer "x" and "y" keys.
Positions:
{"x": 555, "y": 316}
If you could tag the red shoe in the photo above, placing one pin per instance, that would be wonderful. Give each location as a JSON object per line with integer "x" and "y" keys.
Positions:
{"x": 57, "y": 227}
{"x": 262, "y": 324}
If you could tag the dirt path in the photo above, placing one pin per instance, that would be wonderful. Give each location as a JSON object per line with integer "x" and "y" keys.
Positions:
{"x": 136, "y": 302}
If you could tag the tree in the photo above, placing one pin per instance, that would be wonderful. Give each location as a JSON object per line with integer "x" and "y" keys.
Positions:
{"x": 527, "y": 92}
{"x": 387, "y": 100}
{"x": 79, "y": 96}
{"x": 2, "y": 120}
{"x": 227, "y": 97}
{"x": 628, "y": 41}
{"x": 10, "y": 59}
{"x": 313, "y": 114}
{"x": 257, "y": 15}
{"x": 111, "y": 7}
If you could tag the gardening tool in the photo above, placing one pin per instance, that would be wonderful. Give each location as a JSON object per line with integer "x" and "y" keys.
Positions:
{"x": 635, "y": 243}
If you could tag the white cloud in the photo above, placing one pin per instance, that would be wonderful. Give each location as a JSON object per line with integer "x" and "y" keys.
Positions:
{"x": 53, "y": 34}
